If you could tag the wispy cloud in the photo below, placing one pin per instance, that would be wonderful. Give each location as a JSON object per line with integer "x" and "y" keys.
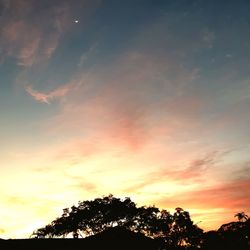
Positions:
{"x": 193, "y": 173}
{"x": 31, "y": 31}
{"x": 81, "y": 183}
{"x": 243, "y": 172}
{"x": 18, "y": 43}
{"x": 32, "y": 36}
{"x": 86, "y": 55}
{"x": 127, "y": 101}
{"x": 208, "y": 38}
{"x": 48, "y": 97}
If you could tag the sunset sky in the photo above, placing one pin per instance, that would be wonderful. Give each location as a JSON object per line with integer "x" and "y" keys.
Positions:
{"x": 142, "y": 98}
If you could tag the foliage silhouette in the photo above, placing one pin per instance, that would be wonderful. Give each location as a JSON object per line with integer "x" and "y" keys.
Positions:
{"x": 184, "y": 232}
{"x": 230, "y": 236}
{"x": 95, "y": 216}
{"x": 104, "y": 220}
{"x": 241, "y": 216}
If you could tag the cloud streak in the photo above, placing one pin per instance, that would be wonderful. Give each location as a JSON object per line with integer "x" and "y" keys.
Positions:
{"x": 193, "y": 173}
{"x": 50, "y": 96}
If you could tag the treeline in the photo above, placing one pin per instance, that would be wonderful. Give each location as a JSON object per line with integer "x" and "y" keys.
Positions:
{"x": 173, "y": 231}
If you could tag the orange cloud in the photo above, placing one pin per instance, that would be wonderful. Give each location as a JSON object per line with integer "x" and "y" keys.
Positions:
{"x": 212, "y": 205}
{"x": 227, "y": 196}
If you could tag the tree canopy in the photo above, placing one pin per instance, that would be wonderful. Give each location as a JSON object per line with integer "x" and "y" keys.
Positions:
{"x": 174, "y": 231}
{"x": 90, "y": 217}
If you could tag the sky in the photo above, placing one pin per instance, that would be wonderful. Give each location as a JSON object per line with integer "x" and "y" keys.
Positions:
{"x": 141, "y": 98}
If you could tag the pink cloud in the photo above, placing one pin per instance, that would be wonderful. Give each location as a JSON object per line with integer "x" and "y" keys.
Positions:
{"x": 119, "y": 103}
{"x": 38, "y": 96}
{"x": 48, "y": 97}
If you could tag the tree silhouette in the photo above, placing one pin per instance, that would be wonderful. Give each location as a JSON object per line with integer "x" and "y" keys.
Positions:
{"x": 241, "y": 216}
{"x": 91, "y": 217}
{"x": 183, "y": 231}
{"x": 230, "y": 236}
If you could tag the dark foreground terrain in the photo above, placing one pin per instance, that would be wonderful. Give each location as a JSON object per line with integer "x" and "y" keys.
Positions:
{"x": 110, "y": 240}
{"x": 121, "y": 239}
